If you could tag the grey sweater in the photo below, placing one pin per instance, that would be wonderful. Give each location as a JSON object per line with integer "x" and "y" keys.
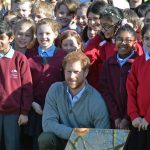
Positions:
{"x": 60, "y": 118}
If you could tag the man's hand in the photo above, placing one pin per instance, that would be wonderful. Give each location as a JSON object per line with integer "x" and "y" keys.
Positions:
{"x": 37, "y": 108}
{"x": 136, "y": 122}
{"x": 144, "y": 124}
{"x": 23, "y": 119}
{"x": 81, "y": 131}
{"x": 117, "y": 123}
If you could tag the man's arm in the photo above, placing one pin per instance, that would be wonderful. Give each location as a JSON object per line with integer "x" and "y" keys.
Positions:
{"x": 50, "y": 120}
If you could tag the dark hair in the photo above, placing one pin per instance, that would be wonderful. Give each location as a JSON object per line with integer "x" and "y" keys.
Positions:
{"x": 5, "y": 28}
{"x": 114, "y": 13}
{"x": 97, "y": 7}
{"x": 126, "y": 28}
{"x": 141, "y": 9}
{"x": 145, "y": 29}
{"x": 72, "y": 6}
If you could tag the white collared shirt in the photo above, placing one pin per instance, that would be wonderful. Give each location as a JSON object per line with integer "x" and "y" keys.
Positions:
{"x": 9, "y": 54}
{"x": 147, "y": 55}
{"x": 74, "y": 99}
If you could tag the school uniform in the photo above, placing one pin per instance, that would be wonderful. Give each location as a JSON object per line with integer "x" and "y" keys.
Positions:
{"x": 15, "y": 96}
{"x": 99, "y": 54}
{"x": 46, "y": 69}
{"x": 113, "y": 85}
{"x": 139, "y": 101}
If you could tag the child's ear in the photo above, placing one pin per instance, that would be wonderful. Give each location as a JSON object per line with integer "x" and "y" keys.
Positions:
{"x": 56, "y": 34}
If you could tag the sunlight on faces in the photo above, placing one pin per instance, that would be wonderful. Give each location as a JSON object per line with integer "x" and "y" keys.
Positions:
{"x": 23, "y": 36}
{"x": 63, "y": 17}
{"x": 146, "y": 40}
{"x": 81, "y": 18}
{"x": 38, "y": 16}
{"x": 108, "y": 27}
{"x": 91, "y": 32}
{"x": 5, "y": 41}
{"x": 125, "y": 43}
{"x": 75, "y": 76}
{"x": 93, "y": 20}
{"x": 70, "y": 44}
{"x": 24, "y": 9}
{"x": 45, "y": 36}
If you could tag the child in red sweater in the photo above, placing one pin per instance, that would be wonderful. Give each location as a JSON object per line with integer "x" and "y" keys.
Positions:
{"x": 46, "y": 68}
{"x": 15, "y": 90}
{"x": 114, "y": 75}
{"x": 138, "y": 85}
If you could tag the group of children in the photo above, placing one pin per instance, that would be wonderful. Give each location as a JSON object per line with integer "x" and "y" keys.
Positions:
{"x": 34, "y": 39}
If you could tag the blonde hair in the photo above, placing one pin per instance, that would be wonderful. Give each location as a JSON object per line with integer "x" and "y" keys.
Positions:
{"x": 31, "y": 23}
{"x": 52, "y": 23}
{"x": 44, "y": 7}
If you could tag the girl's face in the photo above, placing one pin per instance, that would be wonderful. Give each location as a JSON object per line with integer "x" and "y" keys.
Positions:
{"x": 93, "y": 20}
{"x": 146, "y": 40}
{"x": 70, "y": 44}
{"x": 45, "y": 36}
{"x": 23, "y": 36}
{"x": 81, "y": 18}
{"x": 108, "y": 27}
{"x": 125, "y": 43}
{"x": 91, "y": 32}
{"x": 63, "y": 16}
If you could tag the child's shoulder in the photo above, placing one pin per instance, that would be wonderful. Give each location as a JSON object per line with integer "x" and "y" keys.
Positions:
{"x": 18, "y": 55}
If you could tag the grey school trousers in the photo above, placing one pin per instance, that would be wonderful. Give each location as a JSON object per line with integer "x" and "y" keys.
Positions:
{"x": 10, "y": 132}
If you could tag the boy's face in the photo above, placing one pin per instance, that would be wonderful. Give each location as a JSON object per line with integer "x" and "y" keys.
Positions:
{"x": 81, "y": 18}
{"x": 125, "y": 43}
{"x": 5, "y": 41}
{"x": 63, "y": 17}
{"x": 91, "y": 32}
{"x": 23, "y": 36}
{"x": 24, "y": 9}
{"x": 93, "y": 20}
{"x": 45, "y": 36}
{"x": 38, "y": 16}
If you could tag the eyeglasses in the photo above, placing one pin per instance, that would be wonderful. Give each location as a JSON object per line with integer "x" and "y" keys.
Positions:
{"x": 107, "y": 27}
{"x": 126, "y": 41}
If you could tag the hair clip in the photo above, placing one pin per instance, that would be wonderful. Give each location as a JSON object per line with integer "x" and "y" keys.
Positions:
{"x": 112, "y": 14}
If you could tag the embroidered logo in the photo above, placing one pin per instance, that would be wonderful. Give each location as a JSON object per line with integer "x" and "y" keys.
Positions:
{"x": 14, "y": 73}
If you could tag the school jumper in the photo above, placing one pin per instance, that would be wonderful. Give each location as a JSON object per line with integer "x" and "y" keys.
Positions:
{"x": 113, "y": 86}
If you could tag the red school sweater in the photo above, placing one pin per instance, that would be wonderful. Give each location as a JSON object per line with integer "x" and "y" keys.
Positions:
{"x": 99, "y": 54}
{"x": 113, "y": 86}
{"x": 15, "y": 85}
{"x": 138, "y": 89}
{"x": 44, "y": 75}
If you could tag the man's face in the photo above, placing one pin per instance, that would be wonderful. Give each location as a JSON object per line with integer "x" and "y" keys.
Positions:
{"x": 75, "y": 76}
